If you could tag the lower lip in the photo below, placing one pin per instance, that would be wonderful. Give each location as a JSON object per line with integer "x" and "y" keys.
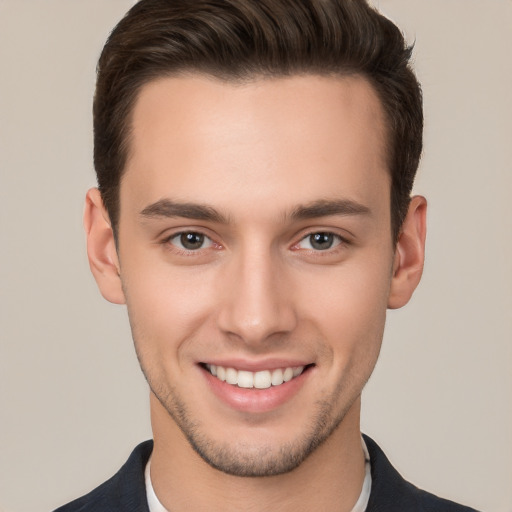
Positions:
{"x": 255, "y": 400}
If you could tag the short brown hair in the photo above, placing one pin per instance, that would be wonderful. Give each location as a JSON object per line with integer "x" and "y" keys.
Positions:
{"x": 241, "y": 39}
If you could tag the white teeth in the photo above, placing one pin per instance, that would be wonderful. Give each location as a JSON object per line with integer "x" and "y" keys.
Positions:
{"x": 288, "y": 374}
{"x": 262, "y": 380}
{"x": 221, "y": 373}
{"x": 245, "y": 379}
{"x": 277, "y": 377}
{"x": 259, "y": 380}
{"x": 298, "y": 370}
{"x": 231, "y": 376}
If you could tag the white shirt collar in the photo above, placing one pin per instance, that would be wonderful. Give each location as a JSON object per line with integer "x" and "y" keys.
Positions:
{"x": 360, "y": 506}
{"x": 153, "y": 501}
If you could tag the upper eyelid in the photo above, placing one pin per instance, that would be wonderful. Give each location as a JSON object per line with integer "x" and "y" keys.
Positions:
{"x": 336, "y": 235}
{"x": 343, "y": 237}
{"x": 173, "y": 233}
{"x": 342, "y": 244}
{"x": 175, "y": 248}
{"x": 167, "y": 237}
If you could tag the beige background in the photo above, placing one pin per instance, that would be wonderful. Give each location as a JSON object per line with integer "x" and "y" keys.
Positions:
{"x": 73, "y": 402}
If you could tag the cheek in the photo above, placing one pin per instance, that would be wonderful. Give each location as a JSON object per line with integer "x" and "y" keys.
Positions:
{"x": 167, "y": 307}
{"x": 349, "y": 308}
{"x": 355, "y": 332}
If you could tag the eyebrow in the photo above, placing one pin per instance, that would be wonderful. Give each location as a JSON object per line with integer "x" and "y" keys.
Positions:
{"x": 168, "y": 209}
{"x": 325, "y": 207}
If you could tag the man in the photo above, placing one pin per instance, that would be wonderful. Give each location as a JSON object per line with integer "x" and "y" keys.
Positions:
{"x": 255, "y": 161}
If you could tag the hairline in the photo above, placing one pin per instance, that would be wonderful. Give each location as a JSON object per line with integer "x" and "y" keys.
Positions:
{"x": 247, "y": 78}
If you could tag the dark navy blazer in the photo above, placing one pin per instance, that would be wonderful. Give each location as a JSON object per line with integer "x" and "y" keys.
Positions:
{"x": 126, "y": 490}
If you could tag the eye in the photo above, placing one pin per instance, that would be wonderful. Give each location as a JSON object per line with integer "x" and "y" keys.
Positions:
{"x": 321, "y": 241}
{"x": 190, "y": 241}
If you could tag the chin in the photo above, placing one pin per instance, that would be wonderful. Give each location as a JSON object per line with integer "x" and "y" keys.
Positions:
{"x": 257, "y": 451}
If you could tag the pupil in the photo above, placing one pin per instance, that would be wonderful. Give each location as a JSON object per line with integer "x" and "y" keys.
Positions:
{"x": 191, "y": 240}
{"x": 321, "y": 241}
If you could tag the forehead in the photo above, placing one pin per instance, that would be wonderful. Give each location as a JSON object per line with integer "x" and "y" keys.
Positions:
{"x": 302, "y": 138}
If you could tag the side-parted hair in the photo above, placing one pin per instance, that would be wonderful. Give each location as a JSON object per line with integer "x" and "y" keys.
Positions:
{"x": 240, "y": 40}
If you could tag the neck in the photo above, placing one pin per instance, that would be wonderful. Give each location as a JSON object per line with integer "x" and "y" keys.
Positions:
{"x": 329, "y": 479}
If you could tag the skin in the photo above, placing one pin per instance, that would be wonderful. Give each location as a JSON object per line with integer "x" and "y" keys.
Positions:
{"x": 257, "y": 292}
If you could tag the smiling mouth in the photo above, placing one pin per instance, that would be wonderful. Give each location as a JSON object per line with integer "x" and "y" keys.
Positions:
{"x": 255, "y": 380}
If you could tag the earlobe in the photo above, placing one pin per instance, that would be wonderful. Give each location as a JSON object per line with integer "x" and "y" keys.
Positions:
{"x": 409, "y": 254}
{"x": 101, "y": 248}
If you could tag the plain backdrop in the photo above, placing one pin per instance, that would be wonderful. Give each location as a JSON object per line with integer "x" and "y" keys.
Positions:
{"x": 73, "y": 402}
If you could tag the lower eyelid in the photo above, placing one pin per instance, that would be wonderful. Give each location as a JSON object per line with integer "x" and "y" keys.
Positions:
{"x": 339, "y": 240}
{"x": 208, "y": 242}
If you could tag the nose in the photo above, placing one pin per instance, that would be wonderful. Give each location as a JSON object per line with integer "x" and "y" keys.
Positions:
{"x": 257, "y": 300}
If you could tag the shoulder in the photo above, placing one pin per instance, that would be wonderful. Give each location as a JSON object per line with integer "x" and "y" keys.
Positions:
{"x": 390, "y": 492}
{"x": 125, "y": 491}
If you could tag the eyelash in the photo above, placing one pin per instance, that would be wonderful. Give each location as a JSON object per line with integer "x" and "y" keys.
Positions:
{"x": 183, "y": 250}
{"x": 339, "y": 242}
{"x": 336, "y": 239}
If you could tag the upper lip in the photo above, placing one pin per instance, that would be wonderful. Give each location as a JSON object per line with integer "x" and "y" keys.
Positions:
{"x": 257, "y": 365}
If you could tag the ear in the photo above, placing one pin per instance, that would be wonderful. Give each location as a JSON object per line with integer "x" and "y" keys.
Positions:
{"x": 409, "y": 254}
{"x": 101, "y": 248}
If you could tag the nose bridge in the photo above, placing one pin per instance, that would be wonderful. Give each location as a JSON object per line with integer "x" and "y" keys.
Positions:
{"x": 256, "y": 304}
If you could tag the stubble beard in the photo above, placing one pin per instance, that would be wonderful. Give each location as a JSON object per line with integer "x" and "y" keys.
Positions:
{"x": 245, "y": 460}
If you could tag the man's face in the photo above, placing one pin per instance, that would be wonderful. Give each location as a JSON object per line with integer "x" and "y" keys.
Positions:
{"x": 255, "y": 243}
